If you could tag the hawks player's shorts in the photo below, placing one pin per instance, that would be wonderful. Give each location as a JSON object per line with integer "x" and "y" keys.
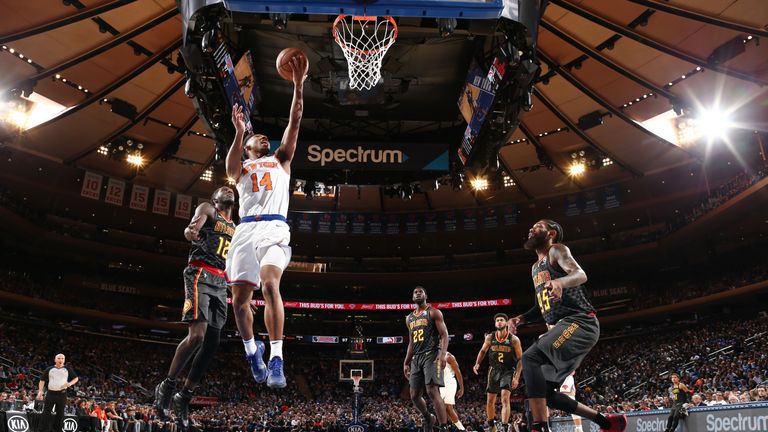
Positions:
{"x": 425, "y": 370}
{"x": 567, "y": 387}
{"x": 566, "y": 345}
{"x": 498, "y": 380}
{"x": 254, "y": 245}
{"x": 448, "y": 392}
{"x": 205, "y": 297}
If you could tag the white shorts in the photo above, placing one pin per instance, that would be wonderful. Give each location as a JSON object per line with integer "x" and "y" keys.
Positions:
{"x": 256, "y": 244}
{"x": 568, "y": 388}
{"x": 448, "y": 391}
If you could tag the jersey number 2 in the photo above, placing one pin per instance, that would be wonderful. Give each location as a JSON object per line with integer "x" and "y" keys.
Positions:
{"x": 266, "y": 181}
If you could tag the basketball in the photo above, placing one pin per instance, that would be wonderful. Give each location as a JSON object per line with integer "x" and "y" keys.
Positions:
{"x": 283, "y": 62}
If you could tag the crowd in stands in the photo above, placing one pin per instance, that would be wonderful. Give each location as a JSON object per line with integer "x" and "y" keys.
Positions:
{"x": 717, "y": 360}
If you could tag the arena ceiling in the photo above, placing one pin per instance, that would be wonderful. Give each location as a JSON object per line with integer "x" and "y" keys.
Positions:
{"x": 596, "y": 55}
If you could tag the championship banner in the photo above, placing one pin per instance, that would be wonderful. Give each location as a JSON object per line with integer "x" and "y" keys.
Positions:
{"x": 449, "y": 221}
{"x": 340, "y": 223}
{"x": 392, "y": 223}
{"x": 91, "y": 185}
{"x": 412, "y": 223}
{"x": 139, "y": 197}
{"x": 324, "y": 223}
{"x": 305, "y": 222}
{"x": 490, "y": 218}
{"x": 183, "y": 206}
{"x": 162, "y": 202}
{"x": 611, "y": 197}
{"x": 375, "y": 224}
{"x": 510, "y": 215}
{"x": 430, "y": 222}
{"x": 387, "y": 306}
{"x": 470, "y": 219}
{"x": 115, "y": 192}
{"x": 590, "y": 202}
{"x": 573, "y": 205}
{"x": 358, "y": 223}
{"x": 389, "y": 156}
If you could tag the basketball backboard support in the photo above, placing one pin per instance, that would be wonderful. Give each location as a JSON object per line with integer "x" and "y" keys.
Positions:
{"x": 467, "y": 9}
{"x": 362, "y": 368}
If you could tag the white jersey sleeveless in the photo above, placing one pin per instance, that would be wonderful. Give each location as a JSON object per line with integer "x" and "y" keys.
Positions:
{"x": 264, "y": 187}
{"x": 448, "y": 373}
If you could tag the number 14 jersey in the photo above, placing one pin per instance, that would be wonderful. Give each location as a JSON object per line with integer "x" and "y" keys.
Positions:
{"x": 264, "y": 187}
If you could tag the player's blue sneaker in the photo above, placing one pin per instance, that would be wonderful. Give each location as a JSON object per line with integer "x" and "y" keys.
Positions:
{"x": 256, "y": 360}
{"x": 276, "y": 378}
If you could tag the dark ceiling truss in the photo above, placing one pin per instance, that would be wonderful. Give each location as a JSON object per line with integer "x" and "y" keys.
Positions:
{"x": 61, "y": 22}
{"x": 637, "y": 37}
{"x": 707, "y": 19}
{"x": 139, "y": 117}
{"x": 575, "y": 129}
{"x": 102, "y": 48}
{"x": 541, "y": 152}
{"x": 596, "y": 55}
{"x": 519, "y": 184}
{"x": 168, "y": 150}
{"x": 200, "y": 172}
{"x": 97, "y": 96}
{"x": 599, "y": 99}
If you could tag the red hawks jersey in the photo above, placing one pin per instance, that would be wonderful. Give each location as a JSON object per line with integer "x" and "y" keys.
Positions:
{"x": 264, "y": 187}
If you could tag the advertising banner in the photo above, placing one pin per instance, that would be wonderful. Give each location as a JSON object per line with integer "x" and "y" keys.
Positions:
{"x": 390, "y": 156}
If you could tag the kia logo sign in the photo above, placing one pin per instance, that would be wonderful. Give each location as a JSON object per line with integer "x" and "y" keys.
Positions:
{"x": 18, "y": 424}
{"x": 356, "y": 428}
{"x": 70, "y": 425}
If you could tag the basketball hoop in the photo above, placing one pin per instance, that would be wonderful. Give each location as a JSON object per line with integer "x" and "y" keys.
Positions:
{"x": 364, "y": 41}
{"x": 356, "y": 375}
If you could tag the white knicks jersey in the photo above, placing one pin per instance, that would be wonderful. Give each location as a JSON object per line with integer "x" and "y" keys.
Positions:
{"x": 264, "y": 187}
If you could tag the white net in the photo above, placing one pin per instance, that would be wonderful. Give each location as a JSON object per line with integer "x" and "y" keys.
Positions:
{"x": 364, "y": 41}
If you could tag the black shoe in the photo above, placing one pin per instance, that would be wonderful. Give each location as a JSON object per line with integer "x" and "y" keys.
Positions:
{"x": 163, "y": 394}
{"x": 181, "y": 408}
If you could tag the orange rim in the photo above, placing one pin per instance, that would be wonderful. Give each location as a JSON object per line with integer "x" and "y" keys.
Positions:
{"x": 344, "y": 45}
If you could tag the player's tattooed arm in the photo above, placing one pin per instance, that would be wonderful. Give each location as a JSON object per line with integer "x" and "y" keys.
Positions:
{"x": 442, "y": 330}
{"x": 481, "y": 354}
{"x": 408, "y": 354}
{"x": 299, "y": 66}
{"x": 519, "y": 366}
{"x": 202, "y": 213}
{"x": 235, "y": 155}
{"x": 561, "y": 255}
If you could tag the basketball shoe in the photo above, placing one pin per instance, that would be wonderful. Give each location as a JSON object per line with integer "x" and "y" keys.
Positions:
{"x": 163, "y": 394}
{"x": 256, "y": 360}
{"x": 618, "y": 422}
{"x": 276, "y": 378}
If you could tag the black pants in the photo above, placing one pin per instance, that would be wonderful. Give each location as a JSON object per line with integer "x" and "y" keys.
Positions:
{"x": 53, "y": 399}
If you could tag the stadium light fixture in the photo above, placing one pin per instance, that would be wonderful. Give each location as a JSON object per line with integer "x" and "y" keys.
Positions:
{"x": 577, "y": 169}
{"x": 135, "y": 159}
{"x": 479, "y": 183}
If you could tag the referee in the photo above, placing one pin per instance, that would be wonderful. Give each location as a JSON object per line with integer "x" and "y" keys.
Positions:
{"x": 57, "y": 379}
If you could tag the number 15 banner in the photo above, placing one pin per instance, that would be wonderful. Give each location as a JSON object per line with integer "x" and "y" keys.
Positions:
{"x": 162, "y": 202}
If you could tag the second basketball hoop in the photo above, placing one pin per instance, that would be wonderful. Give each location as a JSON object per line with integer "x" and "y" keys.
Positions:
{"x": 364, "y": 41}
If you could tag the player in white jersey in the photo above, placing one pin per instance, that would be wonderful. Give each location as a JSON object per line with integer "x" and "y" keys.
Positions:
{"x": 259, "y": 251}
{"x": 453, "y": 389}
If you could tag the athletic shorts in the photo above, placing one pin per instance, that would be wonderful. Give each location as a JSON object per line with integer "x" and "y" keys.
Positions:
{"x": 425, "y": 370}
{"x": 205, "y": 297}
{"x": 568, "y": 387}
{"x": 566, "y": 345}
{"x": 254, "y": 245}
{"x": 498, "y": 380}
{"x": 448, "y": 392}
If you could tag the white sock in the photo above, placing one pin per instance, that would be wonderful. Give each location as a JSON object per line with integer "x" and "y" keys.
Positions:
{"x": 250, "y": 346}
{"x": 275, "y": 349}
{"x": 458, "y": 425}
{"x": 577, "y": 429}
